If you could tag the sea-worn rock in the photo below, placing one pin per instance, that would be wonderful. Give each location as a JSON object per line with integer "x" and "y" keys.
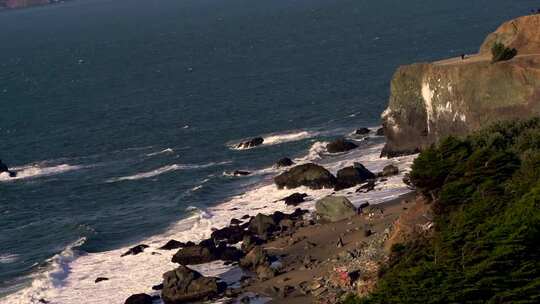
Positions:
{"x": 241, "y": 173}
{"x": 256, "y": 141}
{"x": 430, "y": 101}
{"x": 204, "y": 252}
{"x": 284, "y": 162}
{"x": 140, "y": 298}
{"x": 295, "y": 199}
{"x": 232, "y": 234}
{"x": 262, "y": 225}
{"x": 183, "y": 285}
{"x": 389, "y": 170}
{"x": 340, "y": 145}
{"x": 135, "y": 250}
{"x": 229, "y": 253}
{"x": 309, "y": 175}
{"x": 352, "y": 176}
{"x": 255, "y": 257}
{"x": 100, "y": 279}
{"x": 380, "y": 132}
{"x": 362, "y": 131}
{"x": 250, "y": 241}
{"x": 365, "y": 188}
{"x": 334, "y": 208}
{"x": 158, "y": 286}
{"x": 172, "y": 244}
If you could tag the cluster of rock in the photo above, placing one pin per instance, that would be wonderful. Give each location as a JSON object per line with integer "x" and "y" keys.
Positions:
{"x": 183, "y": 285}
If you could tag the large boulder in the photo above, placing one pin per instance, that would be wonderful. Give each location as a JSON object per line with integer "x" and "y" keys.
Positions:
{"x": 172, "y": 244}
{"x": 183, "y": 285}
{"x": 431, "y": 101}
{"x": 140, "y": 298}
{"x": 352, "y": 176}
{"x": 362, "y": 131}
{"x": 295, "y": 199}
{"x": 334, "y": 208}
{"x": 232, "y": 234}
{"x": 309, "y": 175}
{"x": 256, "y": 141}
{"x": 195, "y": 255}
{"x": 340, "y": 145}
{"x": 262, "y": 225}
{"x": 389, "y": 170}
{"x": 257, "y": 256}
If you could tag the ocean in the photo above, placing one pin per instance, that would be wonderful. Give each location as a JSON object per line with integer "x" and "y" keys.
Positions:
{"x": 121, "y": 117}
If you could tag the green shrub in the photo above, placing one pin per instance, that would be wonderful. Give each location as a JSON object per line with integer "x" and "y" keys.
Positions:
{"x": 485, "y": 246}
{"x": 500, "y": 52}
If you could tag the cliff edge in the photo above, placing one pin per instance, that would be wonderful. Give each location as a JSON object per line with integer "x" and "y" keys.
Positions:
{"x": 430, "y": 101}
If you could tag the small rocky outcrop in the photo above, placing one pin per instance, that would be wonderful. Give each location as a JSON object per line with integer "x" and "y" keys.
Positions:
{"x": 258, "y": 261}
{"x": 362, "y": 131}
{"x": 284, "y": 162}
{"x": 380, "y": 132}
{"x": 309, "y": 175}
{"x": 100, "y": 279}
{"x": 340, "y": 145}
{"x": 172, "y": 244}
{"x": 183, "y": 285}
{"x": 232, "y": 234}
{"x": 389, "y": 170}
{"x": 334, "y": 208}
{"x": 295, "y": 199}
{"x": 194, "y": 255}
{"x": 240, "y": 173}
{"x": 256, "y": 141}
{"x": 352, "y": 176}
{"x": 262, "y": 225}
{"x": 135, "y": 250}
{"x": 140, "y": 298}
{"x": 205, "y": 252}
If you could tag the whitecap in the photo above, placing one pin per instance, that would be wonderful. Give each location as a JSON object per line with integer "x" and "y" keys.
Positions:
{"x": 164, "y": 151}
{"x": 36, "y": 170}
{"x": 8, "y": 258}
{"x": 162, "y": 170}
{"x": 276, "y": 139}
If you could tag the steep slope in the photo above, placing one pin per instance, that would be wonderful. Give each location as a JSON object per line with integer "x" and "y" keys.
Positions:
{"x": 430, "y": 101}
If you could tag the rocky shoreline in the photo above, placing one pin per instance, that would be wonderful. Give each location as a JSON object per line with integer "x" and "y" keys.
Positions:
{"x": 298, "y": 257}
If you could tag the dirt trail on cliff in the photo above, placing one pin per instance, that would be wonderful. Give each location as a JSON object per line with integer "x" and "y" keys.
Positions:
{"x": 474, "y": 58}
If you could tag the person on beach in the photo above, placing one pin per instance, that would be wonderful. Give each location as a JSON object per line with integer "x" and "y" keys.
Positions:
{"x": 462, "y": 56}
{"x": 4, "y": 168}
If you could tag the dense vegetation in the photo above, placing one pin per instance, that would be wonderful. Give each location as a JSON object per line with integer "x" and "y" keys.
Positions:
{"x": 500, "y": 52}
{"x": 486, "y": 244}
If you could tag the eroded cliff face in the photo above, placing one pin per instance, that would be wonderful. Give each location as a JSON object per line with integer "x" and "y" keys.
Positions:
{"x": 430, "y": 101}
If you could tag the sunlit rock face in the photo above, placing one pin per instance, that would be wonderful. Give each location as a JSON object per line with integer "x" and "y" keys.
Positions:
{"x": 430, "y": 101}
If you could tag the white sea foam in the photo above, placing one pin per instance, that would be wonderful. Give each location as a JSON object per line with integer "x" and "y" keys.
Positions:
{"x": 136, "y": 274}
{"x": 164, "y": 151}
{"x": 8, "y": 258}
{"x": 162, "y": 170}
{"x": 36, "y": 171}
{"x": 277, "y": 138}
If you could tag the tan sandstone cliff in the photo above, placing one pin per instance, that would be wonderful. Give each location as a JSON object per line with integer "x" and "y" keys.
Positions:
{"x": 430, "y": 101}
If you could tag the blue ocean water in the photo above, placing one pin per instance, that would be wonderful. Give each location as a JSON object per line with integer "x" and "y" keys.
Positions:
{"x": 113, "y": 111}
